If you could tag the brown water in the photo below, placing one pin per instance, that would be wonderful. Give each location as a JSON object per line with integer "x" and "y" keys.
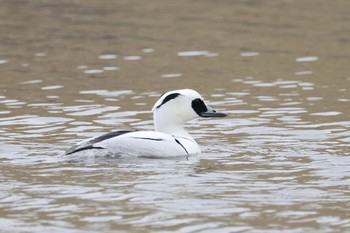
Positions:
{"x": 74, "y": 69}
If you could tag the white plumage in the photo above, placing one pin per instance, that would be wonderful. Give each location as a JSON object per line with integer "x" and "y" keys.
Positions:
{"x": 169, "y": 139}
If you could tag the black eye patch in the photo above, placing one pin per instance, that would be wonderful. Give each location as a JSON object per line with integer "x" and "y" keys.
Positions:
{"x": 167, "y": 98}
{"x": 199, "y": 106}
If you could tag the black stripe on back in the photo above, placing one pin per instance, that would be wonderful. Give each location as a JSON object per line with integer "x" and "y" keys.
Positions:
{"x": 84, "y": 148}
{"x": 90, "y": 144}
{"x": 109, "y": 135}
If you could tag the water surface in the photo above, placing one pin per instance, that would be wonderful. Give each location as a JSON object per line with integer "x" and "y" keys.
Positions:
{"x": 76, "y": 69}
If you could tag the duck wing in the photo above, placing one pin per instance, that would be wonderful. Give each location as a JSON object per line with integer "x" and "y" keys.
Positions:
{"x": 89, "y": 143}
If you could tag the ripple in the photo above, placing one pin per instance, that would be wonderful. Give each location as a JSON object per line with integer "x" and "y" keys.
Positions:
{"x": 148, "y": 50}
{"x": 93, "y": 71}
{"x": 82, "y": 67}
{"x": 95, "y": 111}
{"x": 110, "y": 68}
{"x": 107, "y": 93}
{"x": 306, "y": 72}
{"x": 132, "y": 58}
{"x": 107, "y": 56}
{"x": 326, "y": 113}
{"x": 264, "y": 84}
{"x": 32, "y": 120}
{"x": 175, "y": 75}
{"x": 52, "y": 87}
{"x": 196, "y": 53}
{"x": 33, "y": 81}
{"x": 249, "y": 54}
{"x": 314, "y": 98}
{"x": 40, "y": 54}
{"x": 307, "y": 59}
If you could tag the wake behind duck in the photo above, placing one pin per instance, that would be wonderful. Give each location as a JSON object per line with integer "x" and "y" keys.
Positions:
{"x": 169, "y": 139}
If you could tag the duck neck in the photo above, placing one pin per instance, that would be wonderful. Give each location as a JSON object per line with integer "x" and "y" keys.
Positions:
{"x": 172, "y": 129}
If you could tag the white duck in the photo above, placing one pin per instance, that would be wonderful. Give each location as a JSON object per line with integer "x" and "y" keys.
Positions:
{"x": 169, "y": 139}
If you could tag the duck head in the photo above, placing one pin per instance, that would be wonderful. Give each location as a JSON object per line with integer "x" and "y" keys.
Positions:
{"x": 174, "y": 108}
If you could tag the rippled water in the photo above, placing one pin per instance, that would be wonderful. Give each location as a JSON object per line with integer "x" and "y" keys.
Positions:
{"x": 75, "y": 69}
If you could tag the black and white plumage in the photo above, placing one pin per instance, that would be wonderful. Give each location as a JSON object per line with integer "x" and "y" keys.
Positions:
{"x": 169, "y": 139}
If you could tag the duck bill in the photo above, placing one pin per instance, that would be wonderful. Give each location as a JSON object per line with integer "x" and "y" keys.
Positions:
{"x": 212, "y": 113}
